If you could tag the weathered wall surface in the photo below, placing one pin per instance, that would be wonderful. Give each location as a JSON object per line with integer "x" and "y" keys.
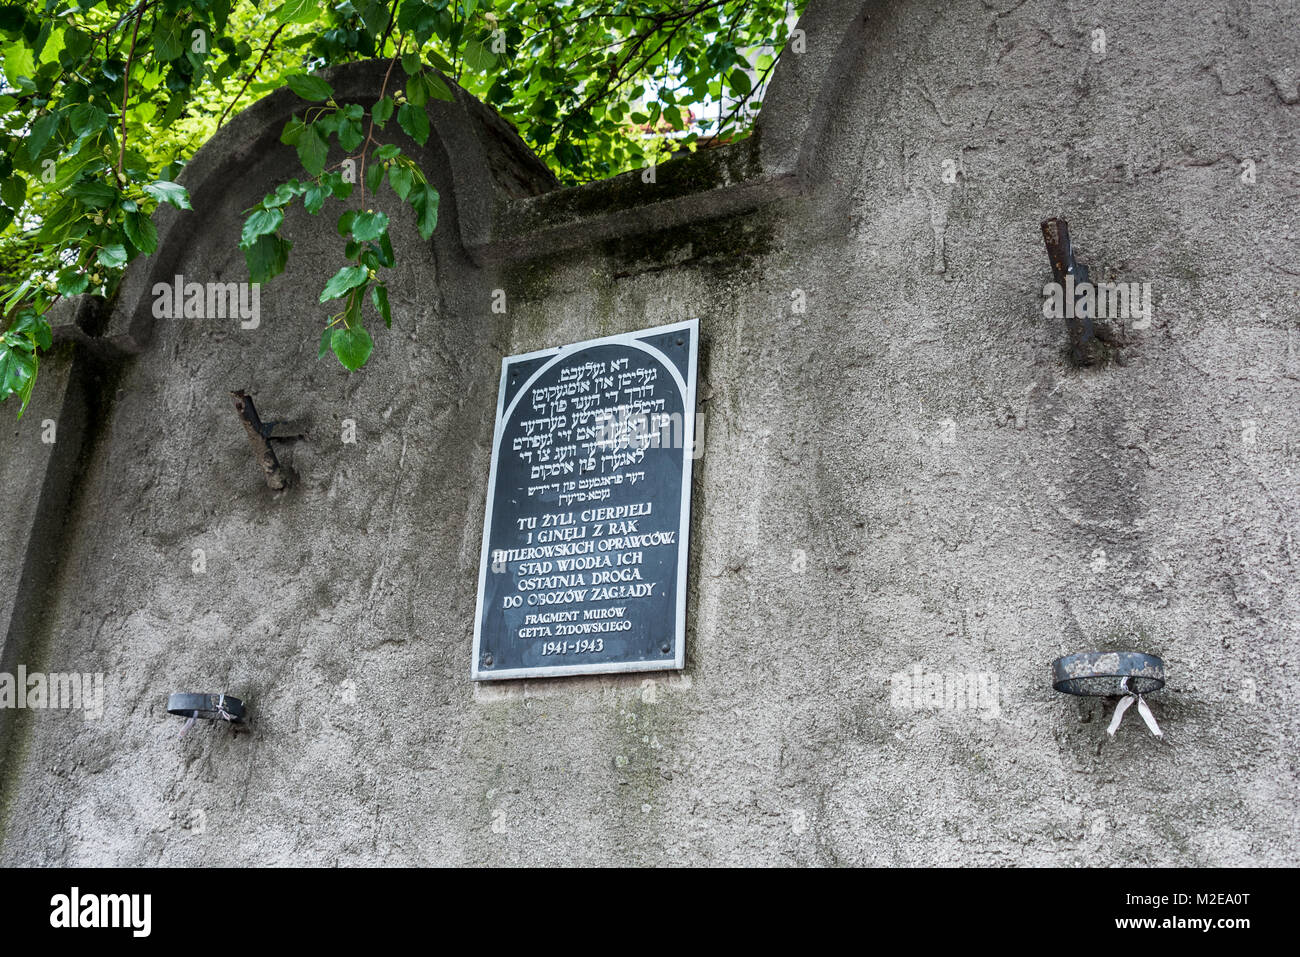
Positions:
{"x": 910, "y": 472}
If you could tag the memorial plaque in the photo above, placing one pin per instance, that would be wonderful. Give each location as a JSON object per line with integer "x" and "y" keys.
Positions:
{"x": 589, "y": 498}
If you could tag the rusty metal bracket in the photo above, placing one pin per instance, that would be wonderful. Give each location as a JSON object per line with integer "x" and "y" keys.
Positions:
{"x": 259, "y": 435}
{"x": 1070, "y": 276}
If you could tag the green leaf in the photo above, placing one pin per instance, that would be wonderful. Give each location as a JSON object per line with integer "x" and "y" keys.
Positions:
{"x": 284, "y": 194}
{"x": 374, "y": 14}
{"x": 34, "y": 327}
{"x": 93, "y": 193}
{"x": 367, "y": 226}
{"x": 312, "y": 150}
{"x": 329, "y": 122}
{"x": 72, "y": 282}
{"x": 113, "y": 256}
{"x": 350, "y": 135}
{"x": 297, "y": 11}
{"x": 382, "y": 111}
{"x": 425, "y": 203}
{"x": 12, "y": 18}
{"x": 345, "y": 222}
{"x": 220, "y": 13}
{"x": 739, "y": 82}
{"x": 411, "y": 63}
{"x": 415, "y": 91}
{"x": 388, "y": 151}
{"x": 261, "y": 223}
{"x": 437, "y": 89}
{"x": 292, "y": 131}
{"x": 87, "y": 118}
{"x": 17, "y": 370}
{"x": 175, "y": 104}
{"x": 379, "y": 294}
{"x": 349, "y": 277}
{"x": 374, "y": 176}
{"x": 417, "y": 18}
{"x": 167, "y": 39}
{"x": 14, "y": 295}
{"x": 25, "y": 393}
{"x": 267, "y": 257}
{"x": 72, "y": 169}
{"x": 13, "y": 191}
{"x": 42, "y": 130}
{"x": 422, "y": 86}
{"x": 400, "y": 179}
{"x": 310, "y": 88}
{"x": 414, "y": 122}
{"x": 141, "y": 231}
{"x": 478, "y": 57}
{"x": 314, "y": 199}
{"x": 166, "y": 191}
{"x": 340, "y": 187}
{"x": 326, "y": 336}
{"x": 18, "y": 61}
{"x": 417, "y": 94}
{"x": 352, "y": 346}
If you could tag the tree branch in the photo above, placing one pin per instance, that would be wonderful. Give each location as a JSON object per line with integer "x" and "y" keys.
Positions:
{"x": 126, "y": 87}
{"x": 258, "y": 66}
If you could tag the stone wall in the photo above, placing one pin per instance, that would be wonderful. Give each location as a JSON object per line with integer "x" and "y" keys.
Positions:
{"x": 908, "y": 472}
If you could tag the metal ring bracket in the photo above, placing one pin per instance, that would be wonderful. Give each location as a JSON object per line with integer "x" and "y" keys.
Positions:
{"x": 1108, "y": 673}
{"x": 221, "y": 707}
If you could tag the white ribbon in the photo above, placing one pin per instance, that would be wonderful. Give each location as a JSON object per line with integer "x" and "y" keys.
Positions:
{"x": 221, "y": 712}
{"x": 1143, "y": 709}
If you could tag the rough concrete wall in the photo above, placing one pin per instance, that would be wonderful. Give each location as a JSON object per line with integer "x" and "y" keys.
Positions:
{"x": 909, "y": 472}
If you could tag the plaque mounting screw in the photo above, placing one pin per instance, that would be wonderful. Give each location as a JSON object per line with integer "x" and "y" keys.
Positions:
{"x": 487, "y": 660}
{"x": 664, "y": 648}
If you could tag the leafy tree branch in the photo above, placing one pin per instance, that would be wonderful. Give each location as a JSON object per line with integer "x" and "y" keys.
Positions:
{"x": 104, "y": 101}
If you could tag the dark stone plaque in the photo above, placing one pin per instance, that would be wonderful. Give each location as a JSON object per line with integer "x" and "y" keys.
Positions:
{"x": 585, "y": 536}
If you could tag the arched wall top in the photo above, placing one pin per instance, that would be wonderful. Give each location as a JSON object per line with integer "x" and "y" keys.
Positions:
{"x": 489, "y": 163}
